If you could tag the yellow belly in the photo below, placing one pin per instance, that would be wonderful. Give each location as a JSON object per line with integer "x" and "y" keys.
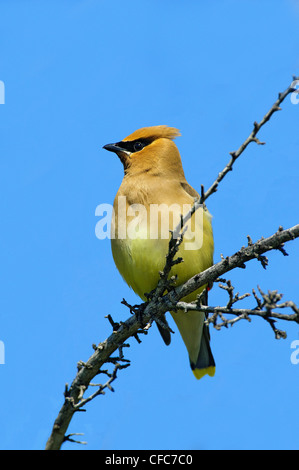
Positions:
{"x": 140, "y": 260}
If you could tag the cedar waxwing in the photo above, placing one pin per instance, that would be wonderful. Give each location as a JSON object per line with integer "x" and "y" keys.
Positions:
{"x": 154, "y": 178}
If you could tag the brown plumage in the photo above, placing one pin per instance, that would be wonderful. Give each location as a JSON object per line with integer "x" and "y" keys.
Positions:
{"x": 154, "y": 177}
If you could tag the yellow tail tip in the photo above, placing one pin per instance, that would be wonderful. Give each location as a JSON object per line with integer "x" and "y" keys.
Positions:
{"x": 199, "y": 373}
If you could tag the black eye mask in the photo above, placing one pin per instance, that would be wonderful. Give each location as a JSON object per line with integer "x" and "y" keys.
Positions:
{"x": 134, "y": 145}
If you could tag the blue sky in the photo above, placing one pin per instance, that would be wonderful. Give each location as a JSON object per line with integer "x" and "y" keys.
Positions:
{"x": 78, "y": 75}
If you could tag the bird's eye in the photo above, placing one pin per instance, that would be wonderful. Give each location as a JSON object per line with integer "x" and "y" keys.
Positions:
{"x": 138, "y": 146}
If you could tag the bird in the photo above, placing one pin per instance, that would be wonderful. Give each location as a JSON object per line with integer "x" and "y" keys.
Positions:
{"x": 154, "y": 177}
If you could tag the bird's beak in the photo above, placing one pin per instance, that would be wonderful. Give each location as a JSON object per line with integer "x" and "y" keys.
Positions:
{"x": 113, "y": 148}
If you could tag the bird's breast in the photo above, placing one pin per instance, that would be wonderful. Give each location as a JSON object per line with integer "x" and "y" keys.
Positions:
{"x": 140, "y": 239}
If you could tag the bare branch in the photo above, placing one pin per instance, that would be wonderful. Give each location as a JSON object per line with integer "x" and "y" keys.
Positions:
{"x": 266, "y": 306}
{"x": 237, "y": 260}
{"x": 153, "y": 309}
{"x": 159, "y": 303}
{"x": 251, "y": 138}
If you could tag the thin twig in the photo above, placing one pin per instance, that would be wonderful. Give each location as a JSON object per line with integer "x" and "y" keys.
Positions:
{"x": 251, "y": 138}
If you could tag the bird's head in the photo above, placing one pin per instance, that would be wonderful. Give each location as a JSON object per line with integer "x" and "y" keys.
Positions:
{"x": 149, "y": 150}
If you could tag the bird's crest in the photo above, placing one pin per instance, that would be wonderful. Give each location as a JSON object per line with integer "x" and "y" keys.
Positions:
{"x": 153, "y": 133}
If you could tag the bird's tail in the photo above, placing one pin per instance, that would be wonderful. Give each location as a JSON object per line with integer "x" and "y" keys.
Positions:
{"x": 196, "y": 336}
{"x": 205, "y": 363}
